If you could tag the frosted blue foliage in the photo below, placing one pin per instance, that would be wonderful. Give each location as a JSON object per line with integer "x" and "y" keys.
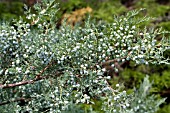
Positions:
{"x": 55, "y": 69}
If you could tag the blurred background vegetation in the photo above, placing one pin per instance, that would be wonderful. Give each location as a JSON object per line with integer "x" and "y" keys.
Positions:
{"x": 77, "y": 11}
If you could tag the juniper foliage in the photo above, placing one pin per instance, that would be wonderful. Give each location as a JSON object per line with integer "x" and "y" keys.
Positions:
{"x": 44, "y": 69}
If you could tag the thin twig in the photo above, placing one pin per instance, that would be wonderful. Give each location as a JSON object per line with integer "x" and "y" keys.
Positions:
{"x": 37, "y": 78}
{"x": 113, "y": 60}
{"x": 40, "y": 77}
{"x": 42, "y": 71}
{"x": 23, "y": 82}
{"x": 16, "y": 100}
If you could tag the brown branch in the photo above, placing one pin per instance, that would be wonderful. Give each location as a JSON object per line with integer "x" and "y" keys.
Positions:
{"x": 40, "y": 77}
{"x": 111, "y": 70}
{"x": 108, "y": 62}
{"x": 42, "y": 71}
{"x": 23, "y": 82}
{"x": 37, "y": 78}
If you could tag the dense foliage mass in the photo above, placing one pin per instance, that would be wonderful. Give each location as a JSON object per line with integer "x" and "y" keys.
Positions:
{"x": 44, "y": 69}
